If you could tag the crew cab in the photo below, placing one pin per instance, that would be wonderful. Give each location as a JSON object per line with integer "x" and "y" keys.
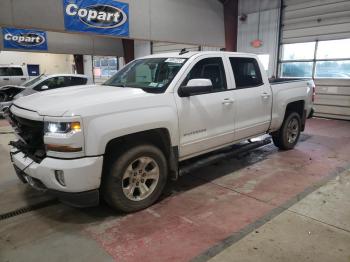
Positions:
{"x": 13, "y": 74}
{"x": 43, "y": 82}
{"x": 121, "y": 141}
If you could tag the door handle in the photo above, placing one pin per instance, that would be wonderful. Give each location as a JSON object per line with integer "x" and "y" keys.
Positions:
{"x": 23, "y": 78}
{"x": 228, "y": 101}
{"x": 265, "y": 95}
{"x": 7, "y": 79}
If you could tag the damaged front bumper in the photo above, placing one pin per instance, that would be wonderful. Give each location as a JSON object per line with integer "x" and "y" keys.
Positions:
{"x": 81, "y": 177}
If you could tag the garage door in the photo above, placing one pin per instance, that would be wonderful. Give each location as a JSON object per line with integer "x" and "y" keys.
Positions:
{"x": 315, "y": 43}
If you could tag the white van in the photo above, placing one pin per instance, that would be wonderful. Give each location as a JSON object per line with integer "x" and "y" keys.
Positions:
{"x": 13, "y": 74}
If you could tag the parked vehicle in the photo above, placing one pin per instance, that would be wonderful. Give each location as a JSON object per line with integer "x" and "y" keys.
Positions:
{"x": 122, "y": 140}
{"x": 13, "y": 74}
{"x": 41, "y": 83}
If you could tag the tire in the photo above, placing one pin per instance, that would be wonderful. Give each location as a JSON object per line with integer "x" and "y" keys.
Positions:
{"x": 127, "y": 175}
{"x": 287, "y": 137}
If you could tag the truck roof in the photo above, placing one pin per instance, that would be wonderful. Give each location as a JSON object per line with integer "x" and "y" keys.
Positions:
{"x": 193, "y": 53}
{"x": 10, "y": 65}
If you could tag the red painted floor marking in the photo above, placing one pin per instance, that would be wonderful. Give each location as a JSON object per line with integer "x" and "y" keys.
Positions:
{"x": 4, "y": 122}
{"x": 184, "y": 225}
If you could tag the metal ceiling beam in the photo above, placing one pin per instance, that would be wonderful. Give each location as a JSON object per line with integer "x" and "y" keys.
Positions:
{"x": 231, "y": 24}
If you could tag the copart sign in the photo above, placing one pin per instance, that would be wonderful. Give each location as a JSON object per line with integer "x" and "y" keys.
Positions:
{"x": 106, "y": 17}
{"x": 24, "y": 39}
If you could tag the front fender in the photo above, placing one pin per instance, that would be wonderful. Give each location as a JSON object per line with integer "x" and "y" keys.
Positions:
{"x": 102, "y": 129}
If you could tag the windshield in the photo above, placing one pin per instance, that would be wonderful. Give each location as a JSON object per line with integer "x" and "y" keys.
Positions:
{"x": 33, "y": 81}
{"x": 152, "y": 74}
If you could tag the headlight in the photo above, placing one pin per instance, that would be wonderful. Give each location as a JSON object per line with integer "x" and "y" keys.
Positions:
{"x": 62, "y": 127}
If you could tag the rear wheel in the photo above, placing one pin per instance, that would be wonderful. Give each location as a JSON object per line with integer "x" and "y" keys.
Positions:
{"x": 287, "y": 137}
{"x": 135, "y": 179}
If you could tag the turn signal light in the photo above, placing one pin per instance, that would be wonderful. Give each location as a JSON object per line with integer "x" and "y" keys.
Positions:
{"x": 75, "y": 126}
{"x": 61, "y": 148}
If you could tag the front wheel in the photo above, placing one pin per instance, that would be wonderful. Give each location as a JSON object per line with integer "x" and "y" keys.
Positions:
{"x": 287, "y": 137}
{"x": 135, "y": 179}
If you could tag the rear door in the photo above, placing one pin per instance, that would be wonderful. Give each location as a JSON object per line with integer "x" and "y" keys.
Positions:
{"x": 4, "y": 76}
{"x": 206, "y": 121}
{"x": 253, "y": 99}
{"x": 16, "y": 75}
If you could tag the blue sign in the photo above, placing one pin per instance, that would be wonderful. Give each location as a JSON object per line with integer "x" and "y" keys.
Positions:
{"x": 24, "y": 39}
{"x": 107, "y": 17}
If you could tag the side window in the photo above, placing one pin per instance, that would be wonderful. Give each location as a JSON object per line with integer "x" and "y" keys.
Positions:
{"x": 209, "y": 68}
{"x": 52, "y": 83}
{"x": 75, "y": 81}
{"x": 246, "y": 71}
{"x": 4, "y": 71}
{"x": 15, "y": 71}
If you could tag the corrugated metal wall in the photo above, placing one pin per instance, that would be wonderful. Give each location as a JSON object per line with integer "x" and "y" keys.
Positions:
{"x": 248, "y": 31}
{"x": 305, "y": 21}
{"x": 332, "y": 98}
{"x": 318, "y": 20}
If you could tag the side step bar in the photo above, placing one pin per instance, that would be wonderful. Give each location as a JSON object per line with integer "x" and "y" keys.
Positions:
{"x": 211, "y": 159}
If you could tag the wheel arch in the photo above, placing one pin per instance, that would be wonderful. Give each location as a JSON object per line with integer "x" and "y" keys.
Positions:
{"x": 159, "y": 137}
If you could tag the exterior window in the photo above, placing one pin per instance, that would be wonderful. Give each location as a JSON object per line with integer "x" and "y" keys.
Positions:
{"x": 296, "y": 69}
{"x": 329, "y": 59}
{"x": 300, "y": 51}
{"x": 332, "y": 69}
{"x": 209, "y": 68}
{"x": 104, "y": 67}
{"x": 335, "y": 49}
{"x": 246, "y": 72}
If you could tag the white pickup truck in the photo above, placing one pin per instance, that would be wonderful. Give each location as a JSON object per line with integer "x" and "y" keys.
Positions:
{"x": 122, "y": 140}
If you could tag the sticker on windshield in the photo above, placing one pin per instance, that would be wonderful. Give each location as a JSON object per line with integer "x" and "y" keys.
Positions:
{"x": 153, "y": 84}
{"x": 175, "y": 60}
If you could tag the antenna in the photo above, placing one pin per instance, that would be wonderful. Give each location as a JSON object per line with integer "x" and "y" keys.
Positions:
{"x": 183, "y": 51}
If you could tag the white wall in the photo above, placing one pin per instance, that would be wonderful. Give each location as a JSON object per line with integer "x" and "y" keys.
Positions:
{"x": 142, "y": 48}
{"x": 88, "y": 66}
{"x": 199, "y": 22}
{"x": 269, "y": 30}
{"x": 49, "y": 63}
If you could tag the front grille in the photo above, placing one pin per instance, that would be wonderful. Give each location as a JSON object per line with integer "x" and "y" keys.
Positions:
{"x": 31, "y": 134}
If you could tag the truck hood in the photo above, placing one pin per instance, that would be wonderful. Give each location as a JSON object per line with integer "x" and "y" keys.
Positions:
{"x": 11, "y": 86}
{"x": 79, "y": 100}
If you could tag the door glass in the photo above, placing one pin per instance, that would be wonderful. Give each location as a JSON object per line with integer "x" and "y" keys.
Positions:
{"x": 75, "y": 81}
{"x": 4, "y": 71}
{"x": 246, "y": 71}
{"x": 52, "y": 83}
{"x": 209, "y": 68}
{"x": 15, "y": 71}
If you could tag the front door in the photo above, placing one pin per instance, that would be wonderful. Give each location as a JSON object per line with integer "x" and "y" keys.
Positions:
{"x": 206, "y": 121}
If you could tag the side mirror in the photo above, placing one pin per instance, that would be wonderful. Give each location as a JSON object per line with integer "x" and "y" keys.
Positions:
{"x": 44, "y": 87}
{"x": 196, "y": 87}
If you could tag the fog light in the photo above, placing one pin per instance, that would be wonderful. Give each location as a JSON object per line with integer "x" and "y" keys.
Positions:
{"x": 59, "y": 174}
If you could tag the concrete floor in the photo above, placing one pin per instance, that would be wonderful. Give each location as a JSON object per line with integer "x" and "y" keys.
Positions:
{"x": 264, "y": 206}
